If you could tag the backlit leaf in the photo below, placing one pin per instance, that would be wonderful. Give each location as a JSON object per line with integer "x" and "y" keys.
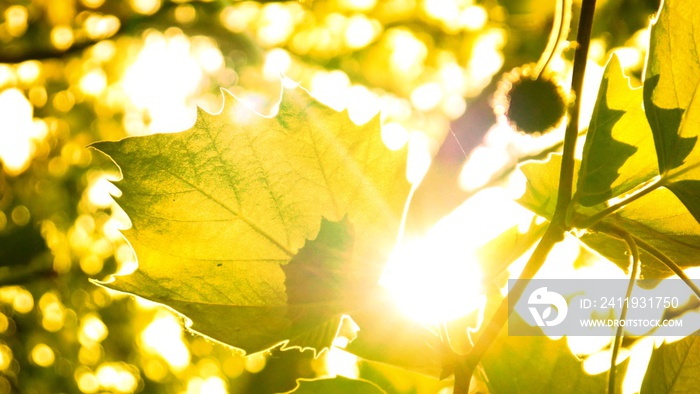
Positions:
{"x": 684, "y": 178}
{"x": 688, "y": 192}
{"x": 220, "y": 214}
{"x": 673, "y": 367}
{"x": 499, "y": 253}
{"x": 518, "y": 364}
{"x": 618, "y": 154}
{"x": 672, "y": 230}
{"x": 671, "y": 77}
{"x": 659, "y": 219}
{"x": 387, "y": 336}
{"x": 542, "y": 179}
{"x": 671, "y": 97}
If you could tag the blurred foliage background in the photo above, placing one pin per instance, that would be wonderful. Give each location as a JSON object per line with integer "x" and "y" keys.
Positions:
{"x": 77, "y": 71}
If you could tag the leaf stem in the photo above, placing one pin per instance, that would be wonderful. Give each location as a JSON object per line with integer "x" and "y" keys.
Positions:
{"x": 557, "y": 227}
{"x": 552, "y": 235}
{"x": 591, "y": 221}
{"x": 634, "y": 272}
{"x": 670, "y": 264}
{"x": 566, "y": 174}
{"x": 560, "y": 28}
{"x": 609, "y": 228}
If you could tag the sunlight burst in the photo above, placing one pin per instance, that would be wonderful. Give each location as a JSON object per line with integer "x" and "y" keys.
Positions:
{"x": 436, "y": 278}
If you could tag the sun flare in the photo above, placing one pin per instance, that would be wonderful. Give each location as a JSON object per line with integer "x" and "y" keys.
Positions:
{"x": 436, "y": 277}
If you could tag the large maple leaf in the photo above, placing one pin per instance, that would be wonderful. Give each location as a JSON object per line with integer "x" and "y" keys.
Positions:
{"x": 227, "y": 219}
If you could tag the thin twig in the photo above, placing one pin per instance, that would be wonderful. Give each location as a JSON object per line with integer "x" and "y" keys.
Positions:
{"x": 634, "y": 272}
{"x": 670, "y": 264}
{"x": 609, "y": 228}
{"x": 591, "y": 221}
{"x": 560, "y": 29}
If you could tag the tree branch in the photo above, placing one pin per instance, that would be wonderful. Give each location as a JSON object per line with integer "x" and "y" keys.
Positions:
{"x": 566, "y": 174}
{"x": 552, "y": 236}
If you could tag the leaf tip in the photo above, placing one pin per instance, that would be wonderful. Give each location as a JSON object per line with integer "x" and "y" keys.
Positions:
{"x": 614, "y": 71}
{"x": 614, "y": 63}
{"x": 109, "y": 284}
{"x": 102, "y": 283}
{"x": 104, "y": 147}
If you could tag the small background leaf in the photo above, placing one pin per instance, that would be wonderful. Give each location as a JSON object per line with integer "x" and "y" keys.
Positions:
{"x": 542, "y": 179}
{"x": 21, "y": 245}
{"x": 337, "y": 385}
{"x": 516, "y": 364}
{"x": 387, "y": 336}
{"x": 499, "y": 253}
{"x": 673, "y": 367}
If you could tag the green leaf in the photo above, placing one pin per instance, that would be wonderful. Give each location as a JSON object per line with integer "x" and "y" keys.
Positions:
{"x": 389, "y": 337}
{"x": 337, "y": 385}
{"x": 673, "y": 367}
{"x": 672, "y": 100}
{"x": 399, "y": 380}
{"x": 319, "y": 287}
{"x": 220, "y": 213}
{"x": 542, "y": 179}
{"x": 499, "y": 253}
{"x": 671, "y": 78}
{"x": 672, "y": 230}
{"x": 689, "y": 193}
{"x": 684, "y": 178}
{"x": 518, "y": 364}
{"x": 618, "y": 154}
{"x": 264, "y": 307}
